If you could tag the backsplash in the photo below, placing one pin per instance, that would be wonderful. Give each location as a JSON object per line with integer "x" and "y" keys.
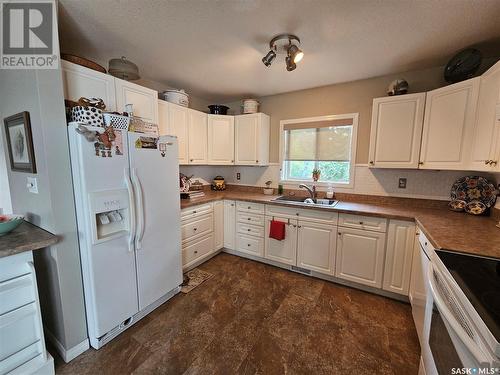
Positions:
{"x": 425, "y": 184}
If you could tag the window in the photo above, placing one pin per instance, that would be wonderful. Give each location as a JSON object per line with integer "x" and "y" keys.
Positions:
{"x": 326, "y": 143}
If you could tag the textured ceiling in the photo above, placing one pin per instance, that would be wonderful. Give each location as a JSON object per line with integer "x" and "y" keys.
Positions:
{"x": 213, "y": 49}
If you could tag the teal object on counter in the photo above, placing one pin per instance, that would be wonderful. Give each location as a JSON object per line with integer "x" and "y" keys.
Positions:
{"x": 13, "y": 221}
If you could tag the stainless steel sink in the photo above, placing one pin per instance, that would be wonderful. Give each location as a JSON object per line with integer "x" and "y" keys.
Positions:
{"x": 306, "y": 201}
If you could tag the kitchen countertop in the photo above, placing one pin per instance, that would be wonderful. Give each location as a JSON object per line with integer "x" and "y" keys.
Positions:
{"x": 26, "y": 237}
{"x": 455, "y": 231}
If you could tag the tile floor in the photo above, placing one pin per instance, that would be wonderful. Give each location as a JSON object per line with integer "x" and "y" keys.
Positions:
{"x": 251, "y": 318}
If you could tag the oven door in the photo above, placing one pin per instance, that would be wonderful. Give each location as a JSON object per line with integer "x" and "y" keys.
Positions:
{"x": 453, "y": 340}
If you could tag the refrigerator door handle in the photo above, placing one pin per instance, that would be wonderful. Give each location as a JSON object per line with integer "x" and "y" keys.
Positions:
{"x": 140, "y": 210}
{"x": 131, "y": 209}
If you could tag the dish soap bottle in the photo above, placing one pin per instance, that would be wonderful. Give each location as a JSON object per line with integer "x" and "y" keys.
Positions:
{"x": 330, "y": 193}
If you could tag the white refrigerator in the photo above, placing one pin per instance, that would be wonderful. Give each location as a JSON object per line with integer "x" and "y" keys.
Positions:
{"x": 128, "y": 213}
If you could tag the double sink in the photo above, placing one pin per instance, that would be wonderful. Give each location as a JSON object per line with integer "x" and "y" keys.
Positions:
{"x": 301, "y": 201}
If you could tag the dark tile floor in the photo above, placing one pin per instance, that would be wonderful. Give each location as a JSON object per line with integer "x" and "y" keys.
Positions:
{"x": 251, "y": 318}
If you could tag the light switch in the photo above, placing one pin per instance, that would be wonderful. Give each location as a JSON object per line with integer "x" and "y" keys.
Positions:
{"x": 32, "y": 185}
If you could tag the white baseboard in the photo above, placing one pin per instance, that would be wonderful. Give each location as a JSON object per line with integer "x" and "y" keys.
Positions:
{"x": 67, "y": 354}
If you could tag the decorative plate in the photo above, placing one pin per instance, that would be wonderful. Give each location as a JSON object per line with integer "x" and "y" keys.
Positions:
{"x": 457, "y": 205}
{"x": 472, "y": 188}
{"x": 475, "y": 208}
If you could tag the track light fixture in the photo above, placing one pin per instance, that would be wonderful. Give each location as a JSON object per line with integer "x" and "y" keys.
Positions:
{"x": 268, "y": 59}
{"x": 284, "y": 44}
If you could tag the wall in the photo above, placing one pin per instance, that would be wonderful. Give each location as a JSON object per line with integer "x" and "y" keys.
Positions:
{"x": 5, "y": 205}
{"x": 342, "y": 98}
{"x": 58, "y": 267}
{"x": 383, "y": 182}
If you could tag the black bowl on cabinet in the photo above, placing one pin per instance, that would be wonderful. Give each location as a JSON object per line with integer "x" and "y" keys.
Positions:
{"x": 218, "y": 109}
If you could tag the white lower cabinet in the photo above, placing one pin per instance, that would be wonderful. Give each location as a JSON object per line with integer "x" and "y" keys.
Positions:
{"x": 229, "y": 224}
{"x": 196, "y": 249}
{"x": 360, "y": 256}
{"x": 22, "y": 343}
{"x": 250, "y": 228}
{"x": 316, "y": 247}
{"x": 218, "y": 225}
{"x": 282, "y": 251}
{"x": 249, "y": 244}
{"x": 399, "y": 254}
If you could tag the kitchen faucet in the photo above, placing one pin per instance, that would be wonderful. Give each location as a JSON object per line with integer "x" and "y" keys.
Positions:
{"x": 312, "y": 191}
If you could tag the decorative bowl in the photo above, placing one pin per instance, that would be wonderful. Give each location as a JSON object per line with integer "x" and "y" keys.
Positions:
{"x": 475, "y": 208}
{"x": 457, "y": 205}
{"x": 9, "y": 223}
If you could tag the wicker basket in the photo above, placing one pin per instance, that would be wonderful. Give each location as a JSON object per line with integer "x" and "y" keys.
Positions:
{"x": 83, "y": 62}
{"x": 117, "y": 121}
{"x": 87, "y": 115}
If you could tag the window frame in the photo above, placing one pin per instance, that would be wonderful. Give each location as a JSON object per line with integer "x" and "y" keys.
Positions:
{"x": 354, "y": 140}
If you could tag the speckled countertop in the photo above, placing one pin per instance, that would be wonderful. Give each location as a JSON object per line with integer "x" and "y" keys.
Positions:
{"x": 456, "y": 231}
{"x": 26, "y": 237}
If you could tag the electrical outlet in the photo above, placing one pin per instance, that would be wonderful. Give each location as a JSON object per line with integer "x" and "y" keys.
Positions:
{"x": 238, "y": 175}
{"x": 402, "y": 183}
{"x": 32, "y": 185}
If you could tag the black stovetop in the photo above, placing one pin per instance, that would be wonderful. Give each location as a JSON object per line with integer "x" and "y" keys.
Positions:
{"x": 479, "y": 279}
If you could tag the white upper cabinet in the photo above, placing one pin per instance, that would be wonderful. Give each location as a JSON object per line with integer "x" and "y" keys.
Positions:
{"x": 398, "y": 258}
{"x": 80, "y": 82}
{"x": 396, "y": 131}
{"x": 220, "y": 139}
{"x": 144, "y": 100}
{"x": 448, "y": 126}
{"x": 485, "y": 146}
{"x": 174, "y": 121}
{"x": 197, "y": 139}
{"x": 252, "y": 139}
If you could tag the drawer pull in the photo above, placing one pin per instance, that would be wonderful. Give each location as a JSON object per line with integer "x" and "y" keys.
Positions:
{"x": 249, "y": 207}
{"x": 195, "y": 229}
{"x": 248, "y": 244}
{"x": 340, "y": 234}
{"x": 196, "y": 251}
{"x": 249, "y": 218}
{"x": 249, "y": 229}
{"x": 194, "y": 212}
{"x": 360, "y": 223}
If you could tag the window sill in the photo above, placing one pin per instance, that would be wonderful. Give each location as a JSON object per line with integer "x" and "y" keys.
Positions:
{"x": 320, "y": 184}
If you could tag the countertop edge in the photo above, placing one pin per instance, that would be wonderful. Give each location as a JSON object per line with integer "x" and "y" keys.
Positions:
{"x": 21, "y": 232}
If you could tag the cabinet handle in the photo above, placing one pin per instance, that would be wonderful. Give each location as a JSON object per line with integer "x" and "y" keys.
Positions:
{"x": 371, "y": 162}
{"x": 493, "y": 162}
{"x": 232, "y": 161}
{"x": 196, "y": 251}
{"x": 249, "y": 207}
{"x": 195, "y": 229}
{"x": 360, "y": 223}
{"x": 232, "y": 205}
{"x": 339, "y": 233}
{"x": 194, "y": 212}
{"x": 249, "y": 230}
{"x": 300, "y": 226}
{"x": 249, "y": 218}
{"x": 420, "y": 163}
{"x": 426, "y": 243}
{"x": 248, "y": 244}
{"x": 256, "y": 161}
{"x": 295, "y": 226}
{"x": 191, "y": 159}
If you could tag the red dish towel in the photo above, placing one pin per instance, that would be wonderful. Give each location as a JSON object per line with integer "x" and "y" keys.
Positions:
{"x": 277, "y": 230}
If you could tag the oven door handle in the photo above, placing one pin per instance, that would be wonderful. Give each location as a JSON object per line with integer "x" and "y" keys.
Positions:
{"x": 447, "y": 316}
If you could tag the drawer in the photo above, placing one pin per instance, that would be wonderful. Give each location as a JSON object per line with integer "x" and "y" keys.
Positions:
{"x": 15, "y": 293}
{"x": 243, "y": 217}
{"x": 29, "y": 353}
{"x": 377, "y": 224}
{"x": 256, "y": 208}
{"x": 15, "y": 265}
{"x": 196, "y": 249}
{"x": 196, "y": 210}
{"x": 324, "y": 216}
{"x": 250, "y": 245}
{"x": 250, "y": 229}
{"x": 19, "y": 329}
{"x": 197, "y": 227}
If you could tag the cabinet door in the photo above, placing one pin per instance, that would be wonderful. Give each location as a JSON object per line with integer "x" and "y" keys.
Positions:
{"x": 284, "y": 251}
{"x": 178, "y": 126}
{"x": 218, "y": 225}
{"x": 198, "y": 133}
{"x": 145, "y": 100}
{"x": 79, "y": 81}
{"x": 229, "y": 225}
{"x": 396, "y": 131}
{"x": 398, "y": 258}
{"x": 360, "y": 256}
{"x": 316, "y": 247}
{"x": 483, "y": 155}
{"x": 448, "y": 126}
{"x": 220, "y": 139}
{"x": 246, "y": 139}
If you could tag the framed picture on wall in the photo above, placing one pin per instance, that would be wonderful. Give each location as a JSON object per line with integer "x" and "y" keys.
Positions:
{"x": 20, "y": 142}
